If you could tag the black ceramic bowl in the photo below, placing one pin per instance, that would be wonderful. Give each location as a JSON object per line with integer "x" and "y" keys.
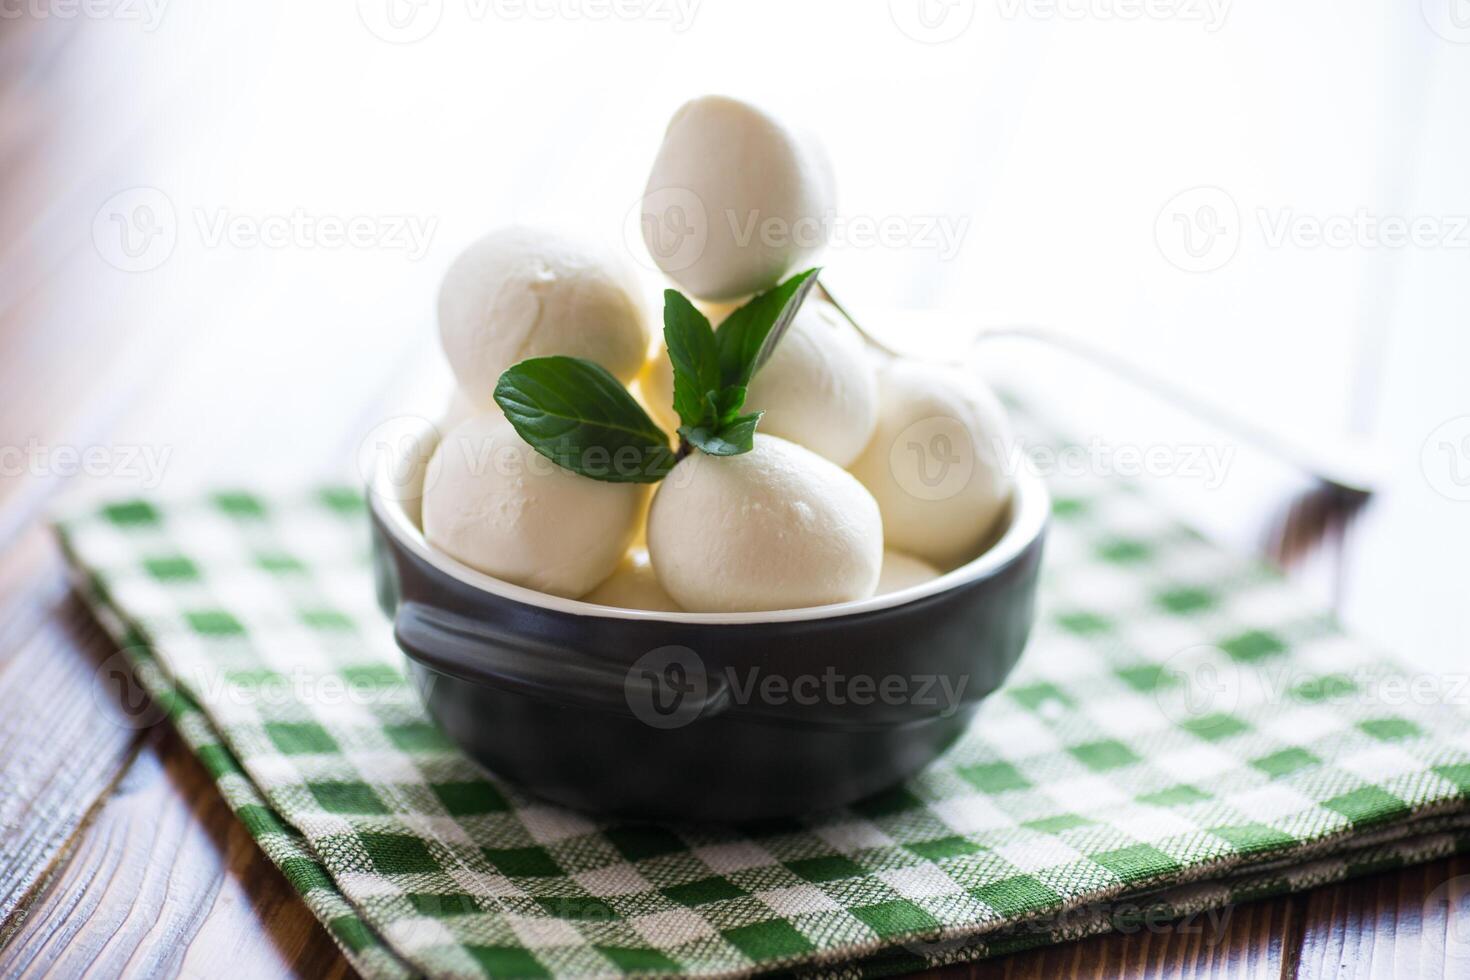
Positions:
{"x": 708, "y": 716}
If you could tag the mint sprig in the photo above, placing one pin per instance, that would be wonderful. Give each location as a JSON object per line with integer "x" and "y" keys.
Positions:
{"x": 712, "y": 369}
{"x": 576, "y": 414}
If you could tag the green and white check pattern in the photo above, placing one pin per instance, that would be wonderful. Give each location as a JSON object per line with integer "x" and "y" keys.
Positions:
{"x": 1183, "y": 733}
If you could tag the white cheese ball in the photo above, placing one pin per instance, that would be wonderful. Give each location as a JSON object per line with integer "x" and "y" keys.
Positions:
{"x": 936, "y": 463}
{"x": 900, "y": 571}
{"x": 818, "y": 390}
{"x": 504, "y": 509}
{"x": 736, "y": 200}
{"x": 524, "y": 292}
{"x": 415, "y": 464}
{"x": 778, "y": 527}
{"x": 633, "y": 585}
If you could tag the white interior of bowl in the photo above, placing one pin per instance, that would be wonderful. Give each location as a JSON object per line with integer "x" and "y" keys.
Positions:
{"x": 1030, "y": 505}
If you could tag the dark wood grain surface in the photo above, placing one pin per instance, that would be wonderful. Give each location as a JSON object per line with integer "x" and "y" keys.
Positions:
{"x": 117, "y": 855}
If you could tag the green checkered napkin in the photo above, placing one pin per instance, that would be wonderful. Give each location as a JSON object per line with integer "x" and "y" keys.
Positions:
{"x": 1183, "y": 733}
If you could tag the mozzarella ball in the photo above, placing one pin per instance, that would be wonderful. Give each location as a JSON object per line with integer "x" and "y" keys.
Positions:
{"x": 502, "y": 508}
{"x": 633, "y": 585}
{"x": 778, "y": 527}
{"x": 900, "y": 571}
{"x": 936, "y": 463}
{"x": 522, "y": 292}
{"x": 735, "y": 201}
{"x": 818, "y": 390}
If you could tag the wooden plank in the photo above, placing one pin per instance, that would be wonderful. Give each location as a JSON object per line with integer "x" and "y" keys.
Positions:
{"x": 166, "y": 881}
{"x": 59, "y": 750}
{"x": 1412, "y": 923}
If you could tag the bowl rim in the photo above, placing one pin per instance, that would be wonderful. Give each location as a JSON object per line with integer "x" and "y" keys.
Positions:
{"x": 1029, "y": 508}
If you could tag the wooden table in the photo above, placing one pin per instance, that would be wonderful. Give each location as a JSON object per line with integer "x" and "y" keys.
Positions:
{"x": 118, "y": 856}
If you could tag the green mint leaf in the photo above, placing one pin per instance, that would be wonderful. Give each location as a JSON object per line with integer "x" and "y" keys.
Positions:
{"x": 750, "y": 334}
{"x": 691, "y": 343}
{"x": 728, "y": 440}
{"x": 581, "y": 418}
{"x": 725, "y": 404}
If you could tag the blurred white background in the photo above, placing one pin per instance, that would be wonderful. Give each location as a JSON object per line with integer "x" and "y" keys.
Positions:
{"x": 1056, "y": 136}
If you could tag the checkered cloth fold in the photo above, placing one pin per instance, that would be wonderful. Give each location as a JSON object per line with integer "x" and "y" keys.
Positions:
{"x": 1183, "y": 733}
